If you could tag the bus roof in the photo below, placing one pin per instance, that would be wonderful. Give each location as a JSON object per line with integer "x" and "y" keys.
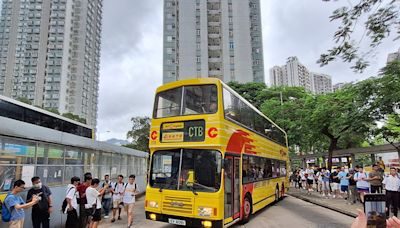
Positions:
{"x": 31, "y": 107}
{"x": 196, "y": 81}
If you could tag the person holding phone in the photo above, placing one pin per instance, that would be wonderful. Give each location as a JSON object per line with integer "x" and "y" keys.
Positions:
{"x": 42, "y": 210}
{"x": 392, "y": 185}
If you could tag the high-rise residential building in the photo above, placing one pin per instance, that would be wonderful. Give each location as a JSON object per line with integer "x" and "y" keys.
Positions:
{"x": 213, "y": 38}
{"x": 339, "y": 86}
{"x": 321, "y": 83}
{"x": 50, "y": 53}
{"x": 293, "y": 73}
{"x": 394, "y": 56}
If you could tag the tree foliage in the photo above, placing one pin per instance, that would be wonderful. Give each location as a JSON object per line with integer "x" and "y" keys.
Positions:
{"x": 72, "y": 116}
{"x": 139, "y": 133}
{"x": 24, "y": 100}
{"x": 379, "y": 18}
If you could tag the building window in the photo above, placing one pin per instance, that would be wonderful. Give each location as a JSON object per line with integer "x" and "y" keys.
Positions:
{"x": 230, "y": 20}
{"x": 198, "y": 59}
{"x": 198, "y": 32}
{"x": 231, "y": 46}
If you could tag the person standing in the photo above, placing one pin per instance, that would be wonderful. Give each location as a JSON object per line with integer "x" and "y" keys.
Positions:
{"x": 392, "y": 185}
{"x": 129, "y": 198}
{"x": 16, "y": 205}
{"x": 376, "y": 178}
{"x": 362, "y": 183}
{"x": 325, "y": 175}
{"x": 310, "y": 179}
{"x": 335, "y": 182}
{"x": 83, "y": 218}
{"x": 93, "y": 205}
{"x": 72, "y": 203}
{"x": 352, "y": 192}
{"x": 344, "y": 182}
{"x": 381, "y": 165}
{"x": 42, "y": 210}
{"x": 118, "y": 190}
{"x": 107, "y": 198}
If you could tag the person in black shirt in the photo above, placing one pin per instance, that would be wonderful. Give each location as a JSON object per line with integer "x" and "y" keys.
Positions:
{"x": 41, "y": 211}
{"x": 335, "y": 183}
{"x": 352, "y": 193}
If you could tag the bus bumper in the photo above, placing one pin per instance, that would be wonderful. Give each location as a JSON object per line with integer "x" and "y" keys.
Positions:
{"x": 191, "y": 222}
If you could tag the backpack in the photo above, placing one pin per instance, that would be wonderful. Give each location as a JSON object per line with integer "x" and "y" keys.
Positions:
{"x": 5, "y": 212}
{"x": 65, "y": 203}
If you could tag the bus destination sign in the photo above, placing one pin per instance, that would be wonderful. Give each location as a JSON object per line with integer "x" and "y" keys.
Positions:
{"x": 187, "y": 131}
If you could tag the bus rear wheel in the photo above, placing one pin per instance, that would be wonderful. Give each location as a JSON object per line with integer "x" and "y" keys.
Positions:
{"x": 246, "y": 210}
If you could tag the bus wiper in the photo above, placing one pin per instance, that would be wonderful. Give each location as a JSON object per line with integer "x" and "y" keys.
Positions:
{"x": 192, "y": 189}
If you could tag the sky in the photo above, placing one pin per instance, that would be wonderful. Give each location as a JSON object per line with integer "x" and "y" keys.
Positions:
{"x": 131, "y": 52}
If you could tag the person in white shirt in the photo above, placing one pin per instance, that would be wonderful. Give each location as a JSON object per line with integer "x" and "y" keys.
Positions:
{"x": 93, "y": 206}
{"x": 118, "y": 191}
{"x": 392, "y": 185}
{"x": 362, "y": 182}
{"x": 72, "y": 204}
{"x": 303, "y": 178}
{"x": 310, "y": 179}
{"x": 130, "y": 197}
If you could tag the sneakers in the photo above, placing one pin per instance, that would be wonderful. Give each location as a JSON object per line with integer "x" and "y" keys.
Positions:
{"x": 323, "y": 195}
{"x": 329, "y": 195}
{"x": 113, "y": 220}
{"x": 106, "y": 216}
{"x": 334, "y": 196}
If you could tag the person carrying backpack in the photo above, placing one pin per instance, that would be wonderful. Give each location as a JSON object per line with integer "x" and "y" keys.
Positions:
{"x": 41, "y": 211}
{"x": 14, "y": 205}
{"x": 118, "y": 190}
{"x": 70, "y": 204}
{"x": 130, "y": 197}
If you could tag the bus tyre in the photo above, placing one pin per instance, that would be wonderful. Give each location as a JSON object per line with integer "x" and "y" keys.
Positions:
{"x": 247, "y": 208}
{"x": 277, "y": 194}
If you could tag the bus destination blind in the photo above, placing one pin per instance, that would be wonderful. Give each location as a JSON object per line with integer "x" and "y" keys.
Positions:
{"x": 187, "y": 131}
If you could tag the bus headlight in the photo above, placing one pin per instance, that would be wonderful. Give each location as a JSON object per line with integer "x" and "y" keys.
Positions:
{"x": 204, "y": 211}
{"x": 153, "y": 204}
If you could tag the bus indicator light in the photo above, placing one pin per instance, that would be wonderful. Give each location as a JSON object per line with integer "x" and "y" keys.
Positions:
{"x": 212, "y": 132}
{"x": 154, "y": 135}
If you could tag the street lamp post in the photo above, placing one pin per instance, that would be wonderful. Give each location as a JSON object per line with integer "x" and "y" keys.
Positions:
{"x": 98, "y": 134}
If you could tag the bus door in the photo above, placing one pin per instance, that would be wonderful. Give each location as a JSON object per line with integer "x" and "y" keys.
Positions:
{"x": 232, "y": 187}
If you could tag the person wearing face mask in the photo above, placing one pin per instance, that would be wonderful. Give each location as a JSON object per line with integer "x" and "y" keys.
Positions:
{"x": 42, "y": 210}
{"x": 16, "y": 205}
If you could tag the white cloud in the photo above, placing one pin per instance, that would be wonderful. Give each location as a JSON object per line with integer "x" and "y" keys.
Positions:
{"x": 131, "y": 62}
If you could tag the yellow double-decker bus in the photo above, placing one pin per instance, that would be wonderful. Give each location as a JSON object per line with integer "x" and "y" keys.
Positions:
{"x": 215, "y": 159}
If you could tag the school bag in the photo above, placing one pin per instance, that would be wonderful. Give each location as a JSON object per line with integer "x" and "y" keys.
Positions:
{"x": 65, "y": 203}
{"x": 5, "y": 212}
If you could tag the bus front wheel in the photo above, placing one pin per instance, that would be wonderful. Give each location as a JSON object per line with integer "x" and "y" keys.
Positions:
{"x": 246, "y": 209}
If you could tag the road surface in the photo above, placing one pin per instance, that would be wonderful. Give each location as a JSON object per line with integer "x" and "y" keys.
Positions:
{"x": 290, "y": 212}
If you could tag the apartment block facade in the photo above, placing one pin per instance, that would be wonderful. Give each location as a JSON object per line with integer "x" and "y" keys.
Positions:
{"x": 50, "y": 54}
{"x": 293, "y": 73}
{"x": 213, "y": 38}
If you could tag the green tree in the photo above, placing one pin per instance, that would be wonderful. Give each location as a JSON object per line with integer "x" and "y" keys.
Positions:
{"x": 24, "y": 100}
{"x": 74, "y": 117}
{"x": 139, "y": 133}
{"x": 382, "y": 98}
{"x": 53, "y": 110}
{"x": 379, "y": 19}
{"x": 249, "y": 91}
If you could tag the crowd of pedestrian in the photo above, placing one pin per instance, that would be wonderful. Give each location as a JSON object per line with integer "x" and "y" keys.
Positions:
{"x": 84, "y": 202}
{"x": 351, "y": 184}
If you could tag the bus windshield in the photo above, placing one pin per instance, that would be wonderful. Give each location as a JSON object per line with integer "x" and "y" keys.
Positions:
{"x": 186, "y": 100}
{"x": 186, "y": 170}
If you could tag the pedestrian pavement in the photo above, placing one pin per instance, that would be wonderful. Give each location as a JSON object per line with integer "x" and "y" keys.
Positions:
{"x": 336, "y": 204}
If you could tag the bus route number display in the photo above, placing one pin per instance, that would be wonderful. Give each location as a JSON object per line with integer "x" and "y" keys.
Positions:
{"x": 188, "y": 131}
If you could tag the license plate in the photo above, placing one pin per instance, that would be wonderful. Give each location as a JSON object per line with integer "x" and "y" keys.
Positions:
{"x": 177, "y": 222}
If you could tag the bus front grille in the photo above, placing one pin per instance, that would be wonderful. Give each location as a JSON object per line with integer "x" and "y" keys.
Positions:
{"x": 177, "y": 205}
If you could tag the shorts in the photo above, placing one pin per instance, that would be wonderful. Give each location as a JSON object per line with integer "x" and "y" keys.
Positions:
{"x": 310, "y": 182}
{"x": 16, "y": 223}
{"x": 365, "y": 190}
{"x": 325, "y": 185}
{"x": 129, "y": 207}
{"x": 344, "y": 188}
{"x": 116, "y": 203}
{"x": 97, "y": 215}
{"x": 335, "y": 186}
